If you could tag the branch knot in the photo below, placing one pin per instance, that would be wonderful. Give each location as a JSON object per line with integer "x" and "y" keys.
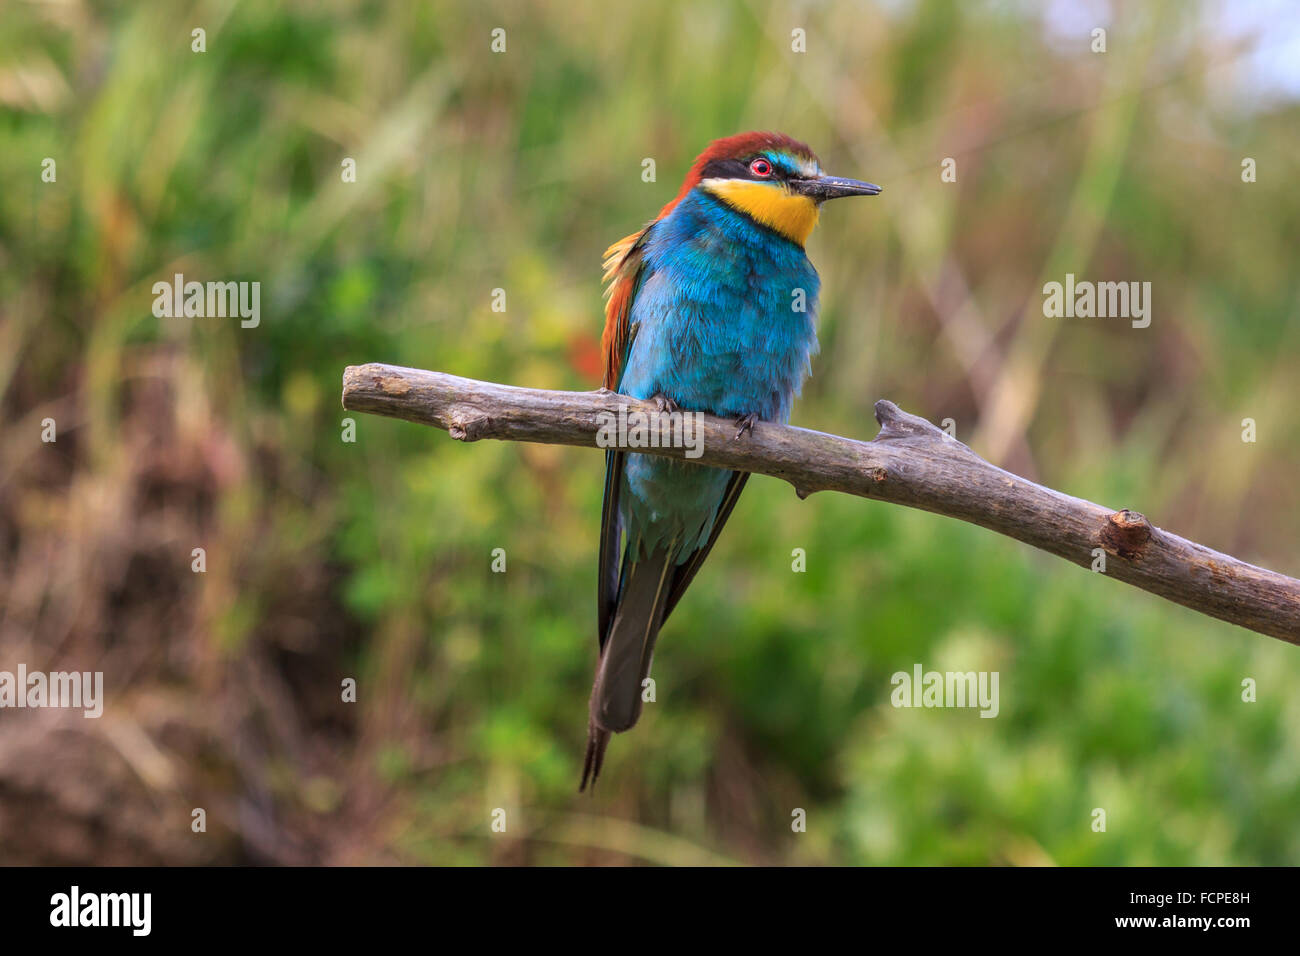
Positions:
{"x": 467, "y": 423}
{"x": 1125, "y": 533}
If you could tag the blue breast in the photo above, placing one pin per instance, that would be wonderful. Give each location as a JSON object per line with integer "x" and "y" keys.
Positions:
{"x": 725, "y": 323}
{"x": 725, "y": 319}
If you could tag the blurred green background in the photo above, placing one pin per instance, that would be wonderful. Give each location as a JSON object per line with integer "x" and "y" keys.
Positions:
{"x": 479, "y": 170}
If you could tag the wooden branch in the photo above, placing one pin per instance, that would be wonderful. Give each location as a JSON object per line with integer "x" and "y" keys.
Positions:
{"x": 910, "y": 462}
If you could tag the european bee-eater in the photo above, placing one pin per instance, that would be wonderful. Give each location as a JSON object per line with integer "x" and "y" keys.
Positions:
{"x": 712, "y": 308}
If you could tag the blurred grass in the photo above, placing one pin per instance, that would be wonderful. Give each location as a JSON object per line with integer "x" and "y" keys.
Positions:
{"x": 479, "y": 171}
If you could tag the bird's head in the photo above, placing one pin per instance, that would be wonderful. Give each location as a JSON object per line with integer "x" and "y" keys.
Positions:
{"x": 771, "y": 178}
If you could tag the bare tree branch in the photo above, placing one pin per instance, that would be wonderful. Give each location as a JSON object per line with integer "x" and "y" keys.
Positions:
{"x": 910, "y": 462}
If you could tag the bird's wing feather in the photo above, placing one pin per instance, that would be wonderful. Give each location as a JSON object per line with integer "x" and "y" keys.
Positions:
{"x": 624, "y": 273}
{"x": 686, "y": 570}
{"x": 611, "y": 534}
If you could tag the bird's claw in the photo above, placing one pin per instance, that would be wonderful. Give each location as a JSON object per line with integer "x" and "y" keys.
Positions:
{"x": 664, "y": 403}
{"x": 745, "y": 424}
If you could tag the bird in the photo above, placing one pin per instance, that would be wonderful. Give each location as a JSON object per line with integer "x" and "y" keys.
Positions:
{"x": 711, "y": 307}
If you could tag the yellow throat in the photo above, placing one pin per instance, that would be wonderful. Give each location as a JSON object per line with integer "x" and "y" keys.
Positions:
{"x": 790, "y": 214}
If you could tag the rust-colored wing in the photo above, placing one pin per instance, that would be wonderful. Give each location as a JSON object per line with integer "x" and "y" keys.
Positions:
{"x": 624, "y": 270}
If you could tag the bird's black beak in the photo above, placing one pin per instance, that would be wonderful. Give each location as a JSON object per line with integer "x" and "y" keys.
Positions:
{"x": 832, "y": 187}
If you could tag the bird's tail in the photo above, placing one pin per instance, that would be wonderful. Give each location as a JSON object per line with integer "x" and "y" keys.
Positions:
{"x": 625, "y": 657}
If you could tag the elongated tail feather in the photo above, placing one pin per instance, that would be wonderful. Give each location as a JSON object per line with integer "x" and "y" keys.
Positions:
{"x": 626, "y": 655}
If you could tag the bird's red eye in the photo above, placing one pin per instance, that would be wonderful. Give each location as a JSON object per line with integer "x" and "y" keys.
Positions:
{"x": 760, "y": 167}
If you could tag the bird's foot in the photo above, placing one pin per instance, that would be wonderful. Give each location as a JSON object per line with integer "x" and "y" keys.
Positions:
{"x": 745, "y": 423}
{"x": 664, "y": 403}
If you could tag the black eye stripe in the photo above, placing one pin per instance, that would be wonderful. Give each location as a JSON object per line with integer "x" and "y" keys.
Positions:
{"x": 739, "y": 169}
